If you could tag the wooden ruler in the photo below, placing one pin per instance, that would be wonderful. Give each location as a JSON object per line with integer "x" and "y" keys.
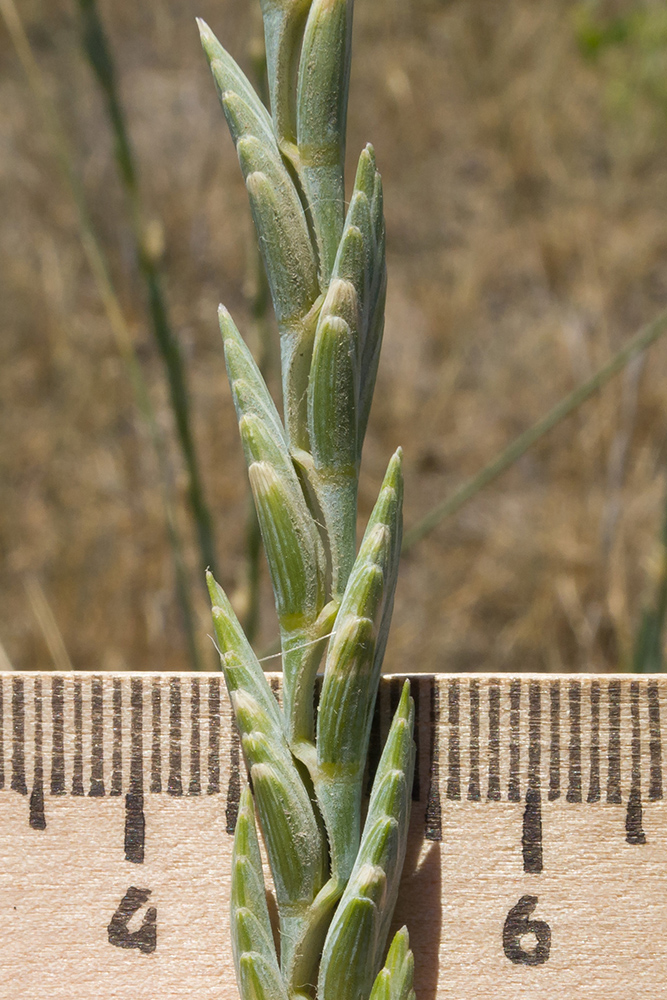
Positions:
{"x": 537, "y": 866}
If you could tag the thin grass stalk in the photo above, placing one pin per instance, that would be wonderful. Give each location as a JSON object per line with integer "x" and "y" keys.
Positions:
{"x": 5, "y": 663}
{"x": 48, "y": 625}
{"x": 99, "y": 54}
{"x": 641, "y": 341}
{"x": 99, "y": 267}
{"x": 648, "y": 654}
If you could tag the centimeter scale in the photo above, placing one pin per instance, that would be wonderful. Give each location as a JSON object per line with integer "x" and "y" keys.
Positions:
{"x": 537, "y": 865}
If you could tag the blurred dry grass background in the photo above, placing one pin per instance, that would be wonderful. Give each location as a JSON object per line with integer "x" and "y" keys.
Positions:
{"x": 526, "y": 199}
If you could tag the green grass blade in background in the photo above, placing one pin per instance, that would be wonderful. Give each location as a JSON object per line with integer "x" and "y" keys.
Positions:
{"x": 648, "y": 655}
{"x": 101, "y": 274}
{"x": 100, "y": 56}
{"x": 641, "y": 341}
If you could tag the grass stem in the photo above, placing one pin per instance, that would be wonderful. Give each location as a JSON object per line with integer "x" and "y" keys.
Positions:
{"x": 47, "y": 624}
{"x": 100, "y": 270}
{"x": 648, "y": 656}
{"x": 100, "y": 56}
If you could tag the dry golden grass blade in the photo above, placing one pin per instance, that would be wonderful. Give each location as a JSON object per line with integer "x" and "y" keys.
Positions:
{"x": 47, "y": 623}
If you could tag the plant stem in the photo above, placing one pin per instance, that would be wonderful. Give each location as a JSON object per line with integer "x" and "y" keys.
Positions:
{"x": 100, "y": 270}
{"x": 100, "y": 57}
{"x": 648, "y": 656}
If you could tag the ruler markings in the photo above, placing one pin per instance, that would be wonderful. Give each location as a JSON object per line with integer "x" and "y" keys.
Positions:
{"x": 77, "y": 774}
{"x": 469, "y": 719}
{"x": 117, "y": 752}
{"x": 58, "y": 747}
{"x": 234, "y": 784}
{"x": 593, "y": 794}
{"x": 156, "y": 737}
{"x": 531, "y": 840}
{"x": 614, "y": 796}
{"x": 633, "y": 821}
{"x": 493, "y": 793}
{"x": 454, "y": 750}
{"x": 97, "y": 739}
{"x": 474, "y": 792}
{"x": 213, "y": 736}
{"x": 534, "y": 736}
{"x": 554, "y": 745}
{"x": 18, "y": 736}
{"x": 135, "y": 822}
{"x": 433, "y": 816}
{"x": 574, "y": 748}
{"x": 175, "y": 781}
{"x": 37, "y": 819}
{"x": 655, "y": 745}
{"x": 194, "y": 786}
{"x": 514, "y": 787}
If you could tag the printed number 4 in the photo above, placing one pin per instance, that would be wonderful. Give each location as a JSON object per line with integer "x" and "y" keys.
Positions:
{"x": 517, "y": 925}
{"x": 144, "y": 939}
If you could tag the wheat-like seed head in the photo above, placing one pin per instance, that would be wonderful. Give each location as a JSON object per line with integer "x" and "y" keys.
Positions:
{"x": 335, "y": 880}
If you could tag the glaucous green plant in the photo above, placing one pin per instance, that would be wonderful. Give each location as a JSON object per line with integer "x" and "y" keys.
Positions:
{"x": 335, "y": 877}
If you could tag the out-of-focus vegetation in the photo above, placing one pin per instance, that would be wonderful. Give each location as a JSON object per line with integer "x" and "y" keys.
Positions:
{"x": 628, "y": 42}
{"x": 523, "y": 151}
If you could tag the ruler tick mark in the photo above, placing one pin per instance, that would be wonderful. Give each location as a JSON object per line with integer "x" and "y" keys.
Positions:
{"x": 531, "y": 840}
{"x": 213, "y": 736}
{"x": 594, "y": 778}
{"x": 58, "y": 746}
{"x": 554, "y": 749}
{"x": 454, "y": 756}
{"x": 234, "y": 786}
{"x": 77, "y": 775}
{"x": 433, "y": 818}
{"x": 633, "y": 820}
{"x": 655, "y": 744}
{"x": 493, "y": 794}
{"x": 574, "y": 751}
{"x": 534, "y": 735}
{"x": 156, "y": 746}
{"x": 135, "y": 822}
{"x": 117, "y": 753}
{"x": 97, "y": 739}
{"x": 474, "y": 793}
{"x": 175, "y": 783}
{"x": 532, "y": 818}
{"x": 37, "y": 818}
{"x": 614, "y": 750}
{"x": 514, "y": 788}
{"x": 18, "y": 733}
{"x": 195, "y": 749}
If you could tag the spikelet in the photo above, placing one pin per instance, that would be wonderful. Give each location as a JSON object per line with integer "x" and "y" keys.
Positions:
{"x": 355, "y": 943}
{"x": 395, "y": 980}
{"x": 352, "y": 673}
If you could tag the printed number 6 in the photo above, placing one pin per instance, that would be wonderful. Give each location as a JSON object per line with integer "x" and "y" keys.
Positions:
{"x": 516, "y": 925}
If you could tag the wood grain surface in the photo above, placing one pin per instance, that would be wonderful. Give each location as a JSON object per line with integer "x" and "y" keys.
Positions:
{"x": 537, "y": 865}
